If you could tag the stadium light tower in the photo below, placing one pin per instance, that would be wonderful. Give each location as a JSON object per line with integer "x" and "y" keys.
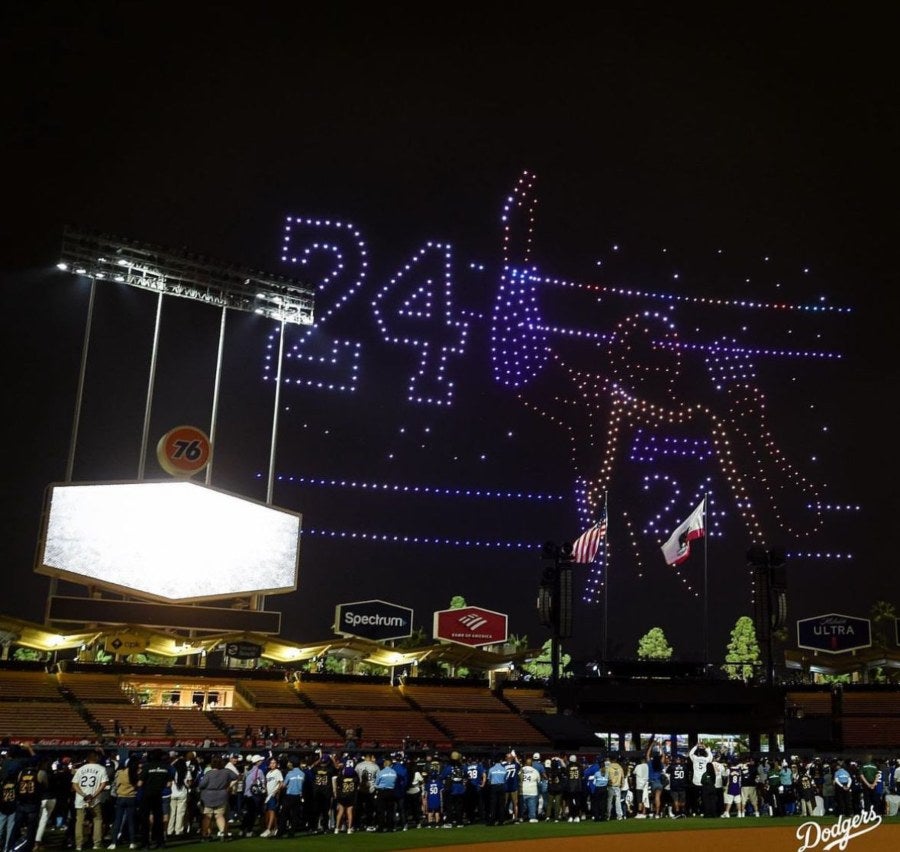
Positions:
{"x": 167, "y": 272}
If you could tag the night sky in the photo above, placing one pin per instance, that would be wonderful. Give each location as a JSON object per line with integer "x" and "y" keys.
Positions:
{"x": 683, "y": 164}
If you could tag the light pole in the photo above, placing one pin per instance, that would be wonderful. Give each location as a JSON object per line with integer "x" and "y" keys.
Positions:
{"x": 771, "y": 599}
{"x": 555, "y": 599}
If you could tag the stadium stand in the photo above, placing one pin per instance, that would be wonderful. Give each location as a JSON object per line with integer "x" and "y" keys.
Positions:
{"x": 45, "y": 722}
{"x": 29, "y": 686}
{"x": 464, "y": 698}
{"x": 132, "y": 705}
{"x": 268, "y": 693}
{"x": 811, "y": 703}
{"x": 529, "y": 700}
{"x": 295, "y": 724}
{"x": 391, "y": 728}
{"x": 324, "y": 695}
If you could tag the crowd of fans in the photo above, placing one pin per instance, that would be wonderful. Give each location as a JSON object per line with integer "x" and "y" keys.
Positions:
{"x": 146, "y": 800}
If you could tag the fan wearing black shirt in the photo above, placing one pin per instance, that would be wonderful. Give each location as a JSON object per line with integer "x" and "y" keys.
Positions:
{"x": 678, "y": 783}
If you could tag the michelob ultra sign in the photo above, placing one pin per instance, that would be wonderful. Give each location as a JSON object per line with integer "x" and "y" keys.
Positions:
{"x": 834, "y": 633}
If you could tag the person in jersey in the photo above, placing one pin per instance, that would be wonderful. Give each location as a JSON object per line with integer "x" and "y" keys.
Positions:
{"x": 513, "y": 768}
{"x": 366, "y": 770}
{"x": 346, "y": 786}
{"x": 677, "y": 771}
{"x": 454, "y": 778}
{"x": 806, "y": 793}
{"x": 732, "y": 794}
{"x": 574, "y": 789}
{"x": 529, "y": 789}
{"x": 597, "y": 782}
{"x": 32, "y": 783}
{"x": 400, "y": 789}
{"x": 88, "y": 784}
{"x": 473, "y": 804}
{"x": 433, "y": 799}
{"x": 8, "y": 804}
{"x": 870, "y": 779}
{"x": 699, "y": 756}
{"x": 773, "y": 789}
{"x": 323, "y": 770}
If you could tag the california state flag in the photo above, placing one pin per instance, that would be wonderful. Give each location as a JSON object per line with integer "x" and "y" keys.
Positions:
{"x": 678, "y": 547}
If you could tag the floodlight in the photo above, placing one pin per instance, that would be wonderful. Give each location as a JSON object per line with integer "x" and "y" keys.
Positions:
{"x": 190, "y": 276}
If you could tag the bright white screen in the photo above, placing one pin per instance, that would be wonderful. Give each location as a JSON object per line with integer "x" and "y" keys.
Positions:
{"x": 173, "y": 540}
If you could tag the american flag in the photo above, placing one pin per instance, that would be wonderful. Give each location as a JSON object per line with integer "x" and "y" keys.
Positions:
{"x": 585, "y": 547}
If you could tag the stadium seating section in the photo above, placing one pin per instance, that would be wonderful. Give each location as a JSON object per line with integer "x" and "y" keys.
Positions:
{"x": 82, "y": 707}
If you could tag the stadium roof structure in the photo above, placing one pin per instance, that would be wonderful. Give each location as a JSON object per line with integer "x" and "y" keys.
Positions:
{"x": 44, "y": 638}
{"x": 846, "y": 663}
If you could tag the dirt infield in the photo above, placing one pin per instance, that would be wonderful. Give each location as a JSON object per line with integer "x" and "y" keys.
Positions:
{"x": 884, "y": 838}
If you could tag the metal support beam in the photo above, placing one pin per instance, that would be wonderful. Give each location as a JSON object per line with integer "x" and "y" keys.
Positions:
{"x": 185, "y": 274}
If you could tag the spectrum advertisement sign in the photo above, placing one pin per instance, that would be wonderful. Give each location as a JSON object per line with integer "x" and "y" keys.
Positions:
{"x": 375, "y": 620}
{"x": 471, "y": 626}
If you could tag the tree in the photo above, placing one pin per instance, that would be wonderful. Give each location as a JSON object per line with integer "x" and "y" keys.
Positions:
{"x": 148, "y": 658}
{"x": 541, "y": 665}
{"x": 829, "y": 678}
{"x": 515, "y": 643}
{"x": 882, "y": 615}
{"x": 458, "y": 602}
{"x": 654, "y": 646}
{"x": 416, "y": 639}
{"x": 27, "y": 654}
{"x": 743, "y": 651}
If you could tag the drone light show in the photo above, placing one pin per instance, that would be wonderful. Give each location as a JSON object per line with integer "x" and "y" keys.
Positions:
{"x": 499, "y": 405}
{"x": 445, "y": 415}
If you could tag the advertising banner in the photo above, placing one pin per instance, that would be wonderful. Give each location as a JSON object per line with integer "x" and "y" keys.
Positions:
{"x": 376, "y": 620}
{"x": 470, "y": 625}
{"x": 834, "y": 633}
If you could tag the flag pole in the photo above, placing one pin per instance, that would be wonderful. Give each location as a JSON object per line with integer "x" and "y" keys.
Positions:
{"x": 606, "y": 577}
{"x": 705, "y": 581}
